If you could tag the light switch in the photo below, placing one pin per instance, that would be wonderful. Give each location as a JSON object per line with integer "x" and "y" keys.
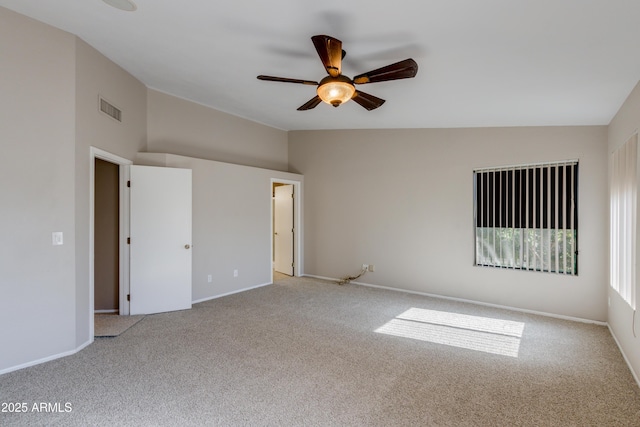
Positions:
{"x": 56, "y": 238}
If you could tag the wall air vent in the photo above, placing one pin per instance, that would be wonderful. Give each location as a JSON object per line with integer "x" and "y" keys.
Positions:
{"x": 110, "y": 110}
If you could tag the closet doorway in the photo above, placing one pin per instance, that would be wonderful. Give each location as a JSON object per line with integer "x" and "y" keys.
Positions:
{"x": 283, "y": 228}
{"x": 106, "y": 277}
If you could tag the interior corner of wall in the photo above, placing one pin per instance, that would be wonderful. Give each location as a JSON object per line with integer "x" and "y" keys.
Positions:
{"x": 151, "y": 159}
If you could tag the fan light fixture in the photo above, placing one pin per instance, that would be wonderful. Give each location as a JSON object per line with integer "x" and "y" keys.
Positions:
{"x": 336, "y": 90}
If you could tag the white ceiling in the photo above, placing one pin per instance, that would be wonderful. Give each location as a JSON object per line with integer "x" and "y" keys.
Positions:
{"x": 481, "y": 62}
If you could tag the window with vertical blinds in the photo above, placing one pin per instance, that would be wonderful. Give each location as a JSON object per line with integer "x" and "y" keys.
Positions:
{"x": 623, "y": 204}
{"x": 526, "y": 217}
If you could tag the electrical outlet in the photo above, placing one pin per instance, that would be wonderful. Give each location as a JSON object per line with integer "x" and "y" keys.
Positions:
{"x": 235, "y": 273}
{"x": 365, "y": 266}
{"x": 56, "y": 238}
{"x": 372, "y": 268}
{"x": 209, "y": 278}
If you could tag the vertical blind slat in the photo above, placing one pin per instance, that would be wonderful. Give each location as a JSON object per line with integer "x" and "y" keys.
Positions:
{"x": 526, "y": 226}
{"x": 556, "y": 234}
{"x": 572, "y": 202}
{"x": 564, "y": 223}
{"x": 513, "y": 218}
{"x": 549, "y": 222}
{"x": 623, "y": 208}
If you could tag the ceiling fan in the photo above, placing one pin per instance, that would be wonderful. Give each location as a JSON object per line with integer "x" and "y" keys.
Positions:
{"x": 336, "y": 88}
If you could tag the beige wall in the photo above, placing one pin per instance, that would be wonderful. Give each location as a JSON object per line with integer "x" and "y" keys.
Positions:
{"x": 621, "y": 317}
{"x": 53, "y": 80}
{"x": 181, "y": 127}
{"x": 403, "y": 201}
{"x": 37, "y": 126}
{"x": 97, "y": 75}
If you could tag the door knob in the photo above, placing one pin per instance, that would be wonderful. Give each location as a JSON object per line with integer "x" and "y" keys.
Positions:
{"x": 187, "y": 246}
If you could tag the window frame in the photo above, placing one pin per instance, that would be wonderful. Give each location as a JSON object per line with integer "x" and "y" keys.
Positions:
{"x": 531, "y": 212}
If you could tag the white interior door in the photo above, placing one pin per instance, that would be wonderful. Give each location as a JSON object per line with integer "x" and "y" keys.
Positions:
{"x": 160, "y": 230}
{"x": 283, "y": 229}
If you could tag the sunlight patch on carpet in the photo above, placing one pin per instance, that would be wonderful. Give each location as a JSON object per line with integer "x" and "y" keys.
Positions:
{"x": 477, "y": 333}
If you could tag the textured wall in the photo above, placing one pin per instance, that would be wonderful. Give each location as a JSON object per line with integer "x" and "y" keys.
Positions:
{"x": 37, "y": 125}
{"x": 621, "y": 317}
{"x": 403, "y": 200}
{"x": 181, "y": 127}
{"x": 231, "y": 222}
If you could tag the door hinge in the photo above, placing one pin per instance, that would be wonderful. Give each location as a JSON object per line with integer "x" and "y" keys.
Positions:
{"x": 292, "y": 265}
{"x": 292, "y": 196}
{"x": 128, "y": 183}
{"x": 128, "y": 240}
{"x": 128, "y": 297}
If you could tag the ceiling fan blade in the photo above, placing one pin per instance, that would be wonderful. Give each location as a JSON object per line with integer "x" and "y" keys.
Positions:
{"x": 400, "y": 70}
{"x": 312, "y": 103}
{"x": 369, "y": 102}
{"x": 330, "y": 52}
{"x": 287, "y": 80}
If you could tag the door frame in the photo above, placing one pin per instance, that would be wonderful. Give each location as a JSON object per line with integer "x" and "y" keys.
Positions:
{"x": 283, "y": 212}
{"x": 297, "y": 225}
{"x": 123, "y": 174}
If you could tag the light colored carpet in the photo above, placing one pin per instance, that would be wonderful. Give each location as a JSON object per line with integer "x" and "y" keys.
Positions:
{"x": 112, "y": 325}
{"x": 305, "y": 352}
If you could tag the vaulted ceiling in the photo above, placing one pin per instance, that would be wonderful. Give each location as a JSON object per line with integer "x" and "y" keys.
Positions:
{"x": 481, "y": 62}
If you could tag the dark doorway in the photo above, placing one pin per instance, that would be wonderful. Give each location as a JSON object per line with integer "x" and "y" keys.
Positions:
{"x": 106, "y": 237}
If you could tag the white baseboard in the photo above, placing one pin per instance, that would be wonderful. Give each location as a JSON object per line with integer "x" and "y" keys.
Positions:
{"x": 503, "y": 307}
{"x": 71, "y": 352}
{"x": 323, "y": 278}
{"x": 45, "y": 359}
{"x": 230, "y": 293}
{"x": 576, "y": 319}
{"x": 106, "y": 311}
{"x": 539, "y": 313}
{"x": 635, "y": 376}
